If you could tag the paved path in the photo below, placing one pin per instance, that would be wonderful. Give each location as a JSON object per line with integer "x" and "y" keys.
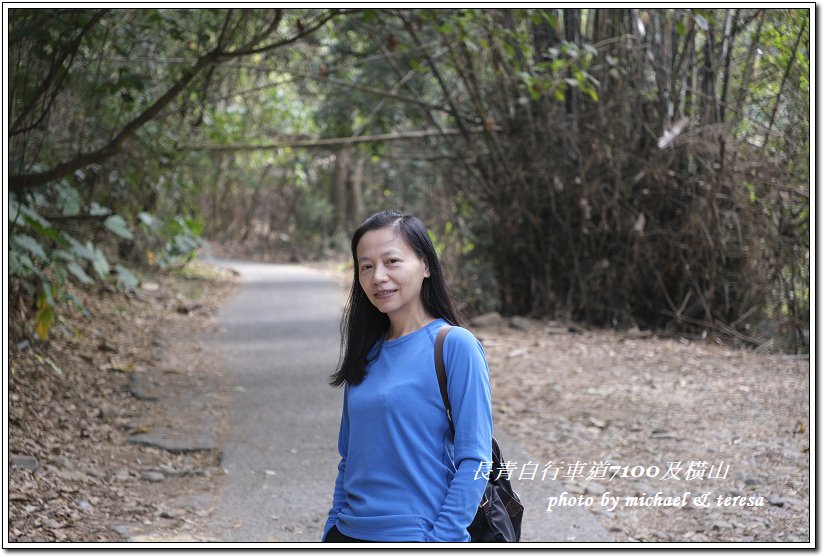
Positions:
{"x": 280, "y": 343}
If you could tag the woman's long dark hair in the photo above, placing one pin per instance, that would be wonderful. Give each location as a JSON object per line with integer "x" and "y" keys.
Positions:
{"x": 363, "y": 325}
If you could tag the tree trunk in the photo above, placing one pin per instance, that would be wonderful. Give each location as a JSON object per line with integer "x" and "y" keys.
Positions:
{"x": 357, "y": 192}
{"x": 342, "y": 163}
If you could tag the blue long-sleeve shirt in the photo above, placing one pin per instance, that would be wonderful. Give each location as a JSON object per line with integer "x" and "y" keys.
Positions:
{"x": 401, "y": 476}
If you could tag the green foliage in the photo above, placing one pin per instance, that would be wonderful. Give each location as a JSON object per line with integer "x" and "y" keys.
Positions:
{"x": 563, "y": 107}
{"x": 313, "y": 220}
{"x": 563, "y": 67}
{"x": 78, "y": 78}
{"x": 44, "y": 255}
{"x": 171, "y": 243}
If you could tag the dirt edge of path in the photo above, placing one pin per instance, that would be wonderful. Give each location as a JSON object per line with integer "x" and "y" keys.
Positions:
{"x": 90, "y": 408}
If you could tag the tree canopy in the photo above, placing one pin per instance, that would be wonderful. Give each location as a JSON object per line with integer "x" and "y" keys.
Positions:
{"x": 623, "y": 167}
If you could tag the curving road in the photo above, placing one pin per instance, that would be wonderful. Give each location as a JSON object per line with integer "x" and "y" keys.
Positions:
{"x": 279, "y": 344}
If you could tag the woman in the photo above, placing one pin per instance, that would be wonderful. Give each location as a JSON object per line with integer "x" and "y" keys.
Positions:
{"x": 402, "y": 476}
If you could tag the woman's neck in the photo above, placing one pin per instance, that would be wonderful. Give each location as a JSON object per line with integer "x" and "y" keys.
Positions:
{"x": 399, "y": 327}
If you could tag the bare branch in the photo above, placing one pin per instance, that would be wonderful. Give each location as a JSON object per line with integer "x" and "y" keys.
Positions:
{"x": 334, "y": 141}
{"x": 246, "y": 50}
{"x": 273, "y": 25}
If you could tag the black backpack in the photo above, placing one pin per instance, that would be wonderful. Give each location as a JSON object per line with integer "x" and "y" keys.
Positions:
{"x": 500, "y": 513}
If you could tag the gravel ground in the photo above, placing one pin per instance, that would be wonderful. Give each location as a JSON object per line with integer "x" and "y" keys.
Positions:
{"x": 632, "y": 415}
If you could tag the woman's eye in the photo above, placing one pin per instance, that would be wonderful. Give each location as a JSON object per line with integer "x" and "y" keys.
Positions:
{"x": 393, "y": 260}
{"x": 365, "y": 267}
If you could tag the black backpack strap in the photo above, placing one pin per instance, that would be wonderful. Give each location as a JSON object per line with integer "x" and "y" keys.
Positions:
{"x": 441, "y": 371}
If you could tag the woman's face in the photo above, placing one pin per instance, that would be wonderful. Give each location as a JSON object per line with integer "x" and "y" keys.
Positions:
{"x": 390, "y": 272}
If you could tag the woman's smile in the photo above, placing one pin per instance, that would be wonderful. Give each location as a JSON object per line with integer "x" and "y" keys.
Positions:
{"x": 384, "y": 294}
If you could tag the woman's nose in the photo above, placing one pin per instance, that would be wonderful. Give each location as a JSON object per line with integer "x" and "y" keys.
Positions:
{"x": 379, "y": 274}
